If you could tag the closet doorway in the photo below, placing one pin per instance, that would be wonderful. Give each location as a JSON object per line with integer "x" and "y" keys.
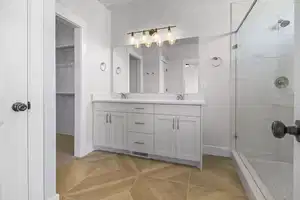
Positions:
{"x": 65, "y": 91}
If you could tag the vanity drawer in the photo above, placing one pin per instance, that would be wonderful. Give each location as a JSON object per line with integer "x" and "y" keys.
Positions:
{"x": 140, "y": 142}
{"x": 178, "y": 110}
{"x": 111, "y": 107}
{"x": 141, "y": 123}
{"x": 141, "y": 108}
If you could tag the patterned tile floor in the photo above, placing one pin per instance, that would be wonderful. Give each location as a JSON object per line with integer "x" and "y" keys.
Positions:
{"x": 106, "y": 176}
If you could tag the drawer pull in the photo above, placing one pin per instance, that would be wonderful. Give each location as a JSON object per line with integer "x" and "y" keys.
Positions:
{"x": 173, "y": 123}
{"x": 139, "y": 109}
{"x": 139, "y": 123}
{"x": 139, "y": 143}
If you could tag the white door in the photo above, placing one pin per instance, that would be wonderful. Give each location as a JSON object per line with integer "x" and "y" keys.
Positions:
{"x": 13, "y": 88}
{"x": 101, "y": 129}
{"x": 188, "y": 138}
{"x": 118, "y": 128}
{"x": 165, "y": 135}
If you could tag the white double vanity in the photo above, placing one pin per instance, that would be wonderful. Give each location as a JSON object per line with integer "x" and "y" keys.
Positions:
{"x": 155, "y": 129}
{"x": 164, "y": 129}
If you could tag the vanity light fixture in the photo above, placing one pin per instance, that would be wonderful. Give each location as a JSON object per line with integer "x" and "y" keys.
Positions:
{"x": 152, "y": 36}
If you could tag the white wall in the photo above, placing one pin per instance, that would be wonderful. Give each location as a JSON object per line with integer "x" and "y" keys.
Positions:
{"x": 208, "y": 19}
{"x": 96, "y": 50}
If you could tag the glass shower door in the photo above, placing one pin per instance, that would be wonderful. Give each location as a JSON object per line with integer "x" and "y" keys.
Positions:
{"x": 264, "y": 93}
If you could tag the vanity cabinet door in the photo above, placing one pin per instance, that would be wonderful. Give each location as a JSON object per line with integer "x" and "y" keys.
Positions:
{"x": 102, "y": 136}
{"x": 188, "y": 138}
{"x": 118, "y": 126}
{"x": 165, "y": 136}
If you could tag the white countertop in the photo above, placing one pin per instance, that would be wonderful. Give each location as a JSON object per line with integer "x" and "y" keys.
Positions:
{"x": 148, "y": 101}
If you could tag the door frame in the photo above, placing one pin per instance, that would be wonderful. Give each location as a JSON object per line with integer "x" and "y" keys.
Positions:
{"x": 296, "y": 180}
{"x": 42, "y": 95}
{"x": 36, "y": 57}
{"x": 79, "y": 27}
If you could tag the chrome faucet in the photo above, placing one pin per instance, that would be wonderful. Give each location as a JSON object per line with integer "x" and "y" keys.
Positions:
{"x": 123, "y": 96}
{"x": 180, "y": 96}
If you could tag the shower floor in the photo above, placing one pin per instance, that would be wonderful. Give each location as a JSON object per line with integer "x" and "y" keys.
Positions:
{"x": 277, "y": 176}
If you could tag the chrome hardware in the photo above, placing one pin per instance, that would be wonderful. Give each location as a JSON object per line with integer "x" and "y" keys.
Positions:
{"x": 106, "y": 118}
{"x": 19, "y": 107}
{"x": 123, "y": 96}
{"x": 279, "y": 129}
{"x": 139, "y": 108}
{"x": 139, "y": 123}
{"x": 180, "y": 97}
{"x": 177, "y": 123}
{"x": 173, "y": 123}
{"x": 110, "y": 118}
{"x": 139, "y": 143}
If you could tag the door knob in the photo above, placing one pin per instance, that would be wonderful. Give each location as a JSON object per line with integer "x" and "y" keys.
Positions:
{"x": 19, "y": 107}
{"x": 279, "y": 129}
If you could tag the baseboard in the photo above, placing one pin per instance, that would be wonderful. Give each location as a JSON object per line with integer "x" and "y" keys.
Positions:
{"x": 87, "y": 150}
{"x": 217, "y": 151}
{"x": 251, "y": 189}
{"x": 56, "y": 197}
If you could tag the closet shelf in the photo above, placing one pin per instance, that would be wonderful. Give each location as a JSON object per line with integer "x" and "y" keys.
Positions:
{"x": 65, "y": 46}
{"x": 65, "y": 93}
{"x": 65, "y": 65}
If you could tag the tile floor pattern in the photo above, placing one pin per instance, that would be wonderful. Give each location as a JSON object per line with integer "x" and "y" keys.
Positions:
{"x": 105, "y": 176}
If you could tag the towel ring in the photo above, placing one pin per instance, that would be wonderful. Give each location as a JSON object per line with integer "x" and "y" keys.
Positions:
{"x": 216, "y": 61}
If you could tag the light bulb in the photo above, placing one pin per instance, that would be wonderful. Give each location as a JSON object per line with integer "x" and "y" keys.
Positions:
{"x": 148, "y": 44}
{"x": 172, "y": 41}
{"x": 144, "y": 38}
{"x": 157, "y": 39}
{"x": 137, "y": 44}
{"x": 132, "y": 39}
{"x": 171, "y": 37}
{"x": 159, "y": 43}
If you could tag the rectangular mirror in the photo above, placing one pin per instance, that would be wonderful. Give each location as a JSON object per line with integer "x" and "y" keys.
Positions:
{"x": 169, "y": 69}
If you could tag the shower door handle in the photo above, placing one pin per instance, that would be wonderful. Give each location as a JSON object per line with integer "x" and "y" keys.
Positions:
{"x": 279, "y": 129}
